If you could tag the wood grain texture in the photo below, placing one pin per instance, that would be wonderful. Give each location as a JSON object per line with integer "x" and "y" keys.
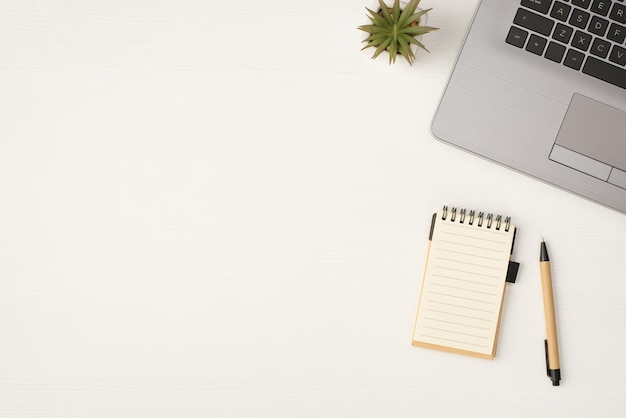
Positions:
{"x": 222, "y": 209}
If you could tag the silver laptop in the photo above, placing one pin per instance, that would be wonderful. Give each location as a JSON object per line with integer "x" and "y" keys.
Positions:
{"x": 540, "y": 86}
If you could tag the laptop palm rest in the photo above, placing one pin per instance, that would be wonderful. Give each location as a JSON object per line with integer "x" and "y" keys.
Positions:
{"x": 591, "y": 140}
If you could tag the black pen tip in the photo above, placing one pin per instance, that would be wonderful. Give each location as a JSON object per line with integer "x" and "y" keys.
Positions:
{"x": 555, "y": 376}
{"x": 543, "y": 255}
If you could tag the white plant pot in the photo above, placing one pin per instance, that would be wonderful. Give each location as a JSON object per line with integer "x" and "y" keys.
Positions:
{"x": 422, "y": 22}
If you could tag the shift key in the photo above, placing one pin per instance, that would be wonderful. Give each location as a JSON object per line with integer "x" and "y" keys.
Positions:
{"x": 533, "y": 21}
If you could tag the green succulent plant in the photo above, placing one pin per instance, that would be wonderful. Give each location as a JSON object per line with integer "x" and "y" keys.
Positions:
{"x": 395, "y": 30}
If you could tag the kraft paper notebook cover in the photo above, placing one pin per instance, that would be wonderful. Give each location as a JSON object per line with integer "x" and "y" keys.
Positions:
{"x": 467, "y": 268}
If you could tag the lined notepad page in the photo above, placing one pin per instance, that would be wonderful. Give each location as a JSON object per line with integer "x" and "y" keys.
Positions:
{"x": 463, "y": 286}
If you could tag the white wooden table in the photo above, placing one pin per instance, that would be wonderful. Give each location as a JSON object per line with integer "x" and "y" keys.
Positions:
{"x": 218, "y": 209}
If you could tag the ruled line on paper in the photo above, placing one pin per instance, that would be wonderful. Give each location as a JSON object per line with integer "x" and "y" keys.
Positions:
{"x": 496, "y": 250}
{"x": 456, "y": 332}
{"x": 461, "y": 297}
{"x": 473, "y": 245}
{"x": 468, "y": 231}
{"x": 457, "y": 323}
{"x": 465, "y": 280}
{"x": 468, "y": 263}
{"x": 461, "y": 306}
{"x": 469, "y": 272}
{"x": 472, "y": 255}
{"x": 455, "y": 314}
{"x": 465, "y": 289}
{"x": 482, "y": 238}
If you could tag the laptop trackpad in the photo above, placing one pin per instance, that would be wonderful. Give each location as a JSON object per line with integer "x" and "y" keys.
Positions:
{"x": 591, "y": 140}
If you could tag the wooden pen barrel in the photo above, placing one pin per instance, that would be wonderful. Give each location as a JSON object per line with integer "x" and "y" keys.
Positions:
{"x": 548, "y": 306}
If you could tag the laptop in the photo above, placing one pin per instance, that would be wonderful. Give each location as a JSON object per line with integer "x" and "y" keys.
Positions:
{"x": 540, "y": 86}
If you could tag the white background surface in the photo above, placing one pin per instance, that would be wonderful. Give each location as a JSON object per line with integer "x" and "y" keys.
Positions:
{"x": 218, "y": 209}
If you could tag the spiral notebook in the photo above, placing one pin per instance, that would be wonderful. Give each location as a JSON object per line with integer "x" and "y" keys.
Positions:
{"x": 467, "y": 268}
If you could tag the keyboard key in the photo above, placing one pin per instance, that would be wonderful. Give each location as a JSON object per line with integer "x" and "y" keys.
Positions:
{"x": 605, "y": 71}
{"x": 560, "y": 11}
{"x": 618, "y": 55}
{"x": 574, "y": 59}
{"x": 533, "y": 21}
{"x": 600, "y": 48}
{"x": 536, "y": 44}
{"x": 581, "y": 3}
{"x": 562, "y": 33}
{"x": 598, "y": 26}
{"x": 601, "y": 7}
{"x": 618, "y": 13}
{"x": 555, "y": 52}
{"x": 517, "y": 37}
{"x": 581, "y": 40}
{"x": 617, "y": 33}
{"x": 542, "y": 6}
{"x": 579, "y": 18}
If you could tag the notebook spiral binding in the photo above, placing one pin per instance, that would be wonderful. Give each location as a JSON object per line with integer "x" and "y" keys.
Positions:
{"x": 462, "y": 215}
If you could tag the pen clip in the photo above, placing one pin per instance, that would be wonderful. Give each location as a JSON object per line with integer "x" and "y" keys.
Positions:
{"x": 553, "y": 374}
{"x": 545, "y": 344}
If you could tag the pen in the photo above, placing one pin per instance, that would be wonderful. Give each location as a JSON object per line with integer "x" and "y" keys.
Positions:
{"x": 553, "y": 366}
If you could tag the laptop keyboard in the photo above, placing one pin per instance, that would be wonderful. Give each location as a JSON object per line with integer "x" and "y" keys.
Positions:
{"x": 584, "y": 35}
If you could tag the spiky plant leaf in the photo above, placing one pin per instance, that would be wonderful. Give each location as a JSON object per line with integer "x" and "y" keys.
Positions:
{"x": 417, "y": 30}
{"x": 405, "y": 49}
{"x": 415, "y": 17}
{"x": 385, "y": 11}
{"x": 419, "y": 44}
{"x": 373, "y": 29}
{"x": 381, "y": 47}
{"x": 395, "y": 30}
{"x": 407, "y": 14}
{"x": 396, "y": 11}
{"x": 376, "y": 18}
{"x": 393, "y": 52}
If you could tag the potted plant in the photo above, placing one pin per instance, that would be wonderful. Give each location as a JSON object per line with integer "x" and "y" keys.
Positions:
{"x": 396, "y": 28}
